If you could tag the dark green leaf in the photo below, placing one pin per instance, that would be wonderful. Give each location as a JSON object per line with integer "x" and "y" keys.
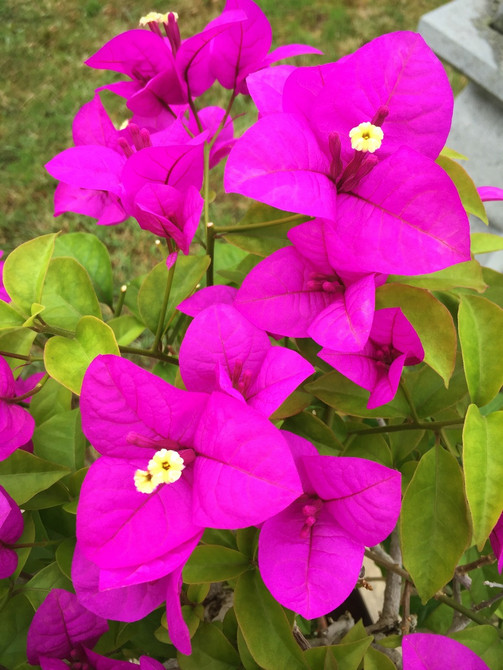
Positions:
{"x": 60, "y": 440}
{"x": 211, "y": 650}
{"x": 214, "y": 563}
{"x": 23, "y": 475}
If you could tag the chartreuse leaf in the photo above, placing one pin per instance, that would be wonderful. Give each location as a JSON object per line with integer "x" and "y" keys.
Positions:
{"x": 126, "y": 329}
{"x": 68, "y": 294}
{"x": 485, "y": 642}
{"x": 262, "y": 241}
{"x": 376, "y": 660}
{"x": 196, "y": 593}
{"x": 339, "y": 392}
{"x": 67, "y": 360}
{"x": 483, "y": 466}
{"x": 210, "y": 650}
{"x": 480, "y": 324}
{"x": 373, "y": 447}
{"x": 264, "y": 625}
{"x": 429, "y": 394}
{"x": 451, "y": 153}
{"x": 461, "y": 275}
{"x": 90, "y": 252}
{"x": 60, "y": 440}
{"x": 347, "y": 654}
{"x": 9, "y": 317}
{"x": 431, "y": 320}
{"x": 214, "y": 563}
{"x": 435, "y": 529}
{"x": 484, "y": 243}
{"x": 25, "y": 269}
{"x": 192, "y": 617}
{"x": 23, "y": 475}
{"x": 51, "y": 400}
{"x": 188, "y": 272}
{"x": 15, "y": 619}
{"x": 35, "y": 310}
{"x": 466, "y": 188}
{"x": 16, "y": 341}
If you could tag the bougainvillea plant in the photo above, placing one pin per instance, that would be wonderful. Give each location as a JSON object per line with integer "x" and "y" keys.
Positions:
{"x": 209, "y": 465}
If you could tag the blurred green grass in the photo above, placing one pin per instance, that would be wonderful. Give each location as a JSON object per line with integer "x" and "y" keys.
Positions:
{"x": 42, "y": 49}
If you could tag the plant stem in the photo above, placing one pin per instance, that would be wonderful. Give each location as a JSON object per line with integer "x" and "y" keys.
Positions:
{"x": 164, "y": 307}
{"x": 483, "y": 560}
{"x": 478, "y": 618}
{"x": 408, "y": 396}
{"x": 28, "y": 394}
{"x": 20, "y": 357}
{"x": 389, "y": 565}
{"x": 413, "y": 425}
{"x": 224, "y": 119}
{"x": 221, "y": 230}
{"x": 120, "y": 301}
{"x": 150, "y": 354}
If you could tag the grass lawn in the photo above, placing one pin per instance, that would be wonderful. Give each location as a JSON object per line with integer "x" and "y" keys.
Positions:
{"x": 42, "y": 47}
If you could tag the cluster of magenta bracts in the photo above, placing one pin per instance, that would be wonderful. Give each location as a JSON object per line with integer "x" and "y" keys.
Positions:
{"x": 352, "y": 146}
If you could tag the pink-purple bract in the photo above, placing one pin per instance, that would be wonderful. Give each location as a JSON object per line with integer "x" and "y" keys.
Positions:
{"x": 395, "y": 208}
{"x": 310, "y": 554}
{"x": 16, "y": 423}
{"x": 239, "y": 359}
{"x": 426, "y": 651}
{"x": 11, "y": 529}
{"x": 297, "y": 292}
{"x": 392, "y": 343}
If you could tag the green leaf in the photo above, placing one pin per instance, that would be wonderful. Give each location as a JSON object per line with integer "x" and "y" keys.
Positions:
{"x": 402, "y": 443}
{"x": 226, "y": 257}
{"x": 484, "y": 243}
{"x": 373, "y": 447}
{"x": 343, "y": 395}
{"x": 262, "y": 241}
{"x": 50, "y": 577}
{"x": 27, "y": 537}
{"x": 17, "y": 341}
{"x": 314, "y": 429}
{"x": 429, "y": 394}
{"x": 294, "y": 404}
{"x": 450, "y": 153}
{"x": 480, "y": 324}
{"x": 461, "y": 275}
{"x": 246, "y": 539}
{"x": 67, "y": 360}
{"x": 211, "y": 650}
{"x": 376, "y": 660}
{"x": 23, "y": 475}
{"x": 435, "y": 529}
{"x": 50, "y": 401}
{"x": 431, "y": 320}
{"x": 246, "y": 658}
{"x": 60, "y": 440}
{"x": 214, "y": 563}
{"x": 188, "y": 272}
{"x": 483, "y": 466}
{"x": 35, "y": 310}
{"x": 25, "y": 269}
{"x": 64, "y": 556}
{"x": 264, "y": 625}
{"x": 9, "y": 318}
{"x": 485, "y": 642}
{"x": 90, "y": 252}
{"x": 348, "y": 655}
{"x": 68, "y": 294}
{"x": 466, "y": 188}
{"x": 54, "y": 496}
{"x": 226, "y": 538}
{"x": 15, "y": 619}
{"x": 192, "y": 617}
{"x": 126, "y": 329}
{"x": 196, "y": 593}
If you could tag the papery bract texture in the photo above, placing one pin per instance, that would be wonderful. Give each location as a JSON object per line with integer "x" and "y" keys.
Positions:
{"x": 424, "y": 651}
{"x": 496, "y": 539}
{"x": 61, "y": 625}
{"x": 310, "y": 555}
{"x": 11, "y": 529}
{"x": 3, "y": 293}
{"x": 238, "y": 358}
{"x": 16, "y": 423}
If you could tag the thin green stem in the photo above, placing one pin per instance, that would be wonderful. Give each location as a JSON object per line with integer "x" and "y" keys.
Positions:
{"x": 224, "y": 119}
{"x": 223, "y": 230}
{"x": 28, "y": 359}
{"x": 26, "y": 545}
{"x": 446, "y": 443}
{"x": 210, "y": 250}
{"x": 413, "y": 425}
{"x": 42, "y": 327}
{"x": 478, "y": 618}
{"x": 120, "y": 301}
{"x": 149, "y": 354}
{"x": 164, "y": 307}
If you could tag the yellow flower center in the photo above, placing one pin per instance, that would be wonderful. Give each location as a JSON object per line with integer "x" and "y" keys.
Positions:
{"x": 156, "y": 17}
{"x": 165, "y": 467}
{"x": 366, "y": 137}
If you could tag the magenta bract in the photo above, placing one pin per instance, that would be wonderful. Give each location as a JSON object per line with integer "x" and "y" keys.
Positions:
{"x": 16, "y": 423}
{"x": 239, "y": 359}
{"x": 310, "y": 554}
{"x": 11, "y": 529}
{"x": 425, "y": 651}
{"x": 392, "y": 343}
